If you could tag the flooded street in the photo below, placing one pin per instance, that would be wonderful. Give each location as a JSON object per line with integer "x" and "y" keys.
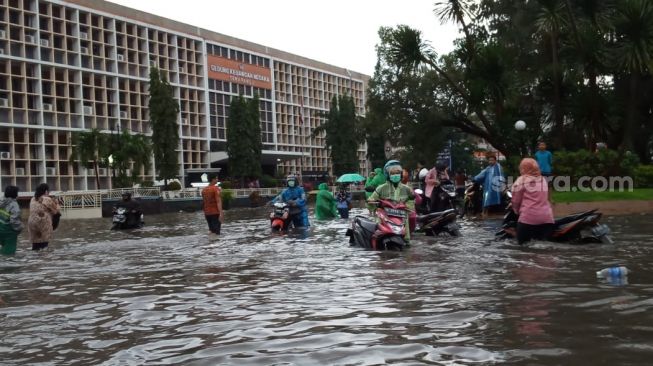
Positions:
{"x": 171, "y": 294}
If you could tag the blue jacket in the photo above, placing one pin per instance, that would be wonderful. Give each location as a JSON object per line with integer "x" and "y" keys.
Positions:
{"x": 493, "y": 181}
{"x": 298, "y": 195}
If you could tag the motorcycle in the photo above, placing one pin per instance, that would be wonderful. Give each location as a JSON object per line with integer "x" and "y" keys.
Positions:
{"x": 578, "y": 228}
{"x": 282, "y": 215}
{"x": 387, "y": 234}
{"x": 434, "y": 223}
{"x": 473, "y": 200}
{"x": 121, "y": 219}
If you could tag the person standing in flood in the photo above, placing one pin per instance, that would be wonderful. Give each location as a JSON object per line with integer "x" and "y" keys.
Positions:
{"x": 10, "y": 224}
{"x": 212, "y": 206}
{"x": 42, "y": 208}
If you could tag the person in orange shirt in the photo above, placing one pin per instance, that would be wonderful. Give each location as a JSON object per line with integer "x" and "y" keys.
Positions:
{"x": 212, "y": 205}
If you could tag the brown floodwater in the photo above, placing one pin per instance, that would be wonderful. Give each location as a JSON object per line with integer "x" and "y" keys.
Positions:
{"x": 171, "y": 294}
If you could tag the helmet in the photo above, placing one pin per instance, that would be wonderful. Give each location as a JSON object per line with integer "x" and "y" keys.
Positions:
{"x": 126, "y": 195}
{"x": 389, "y": 164}
{"x": 292, "y": 177}
{"x": 423, "y": 173}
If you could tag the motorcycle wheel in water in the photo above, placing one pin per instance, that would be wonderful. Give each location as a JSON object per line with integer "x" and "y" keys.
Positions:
{"x": 387, "y": 234}
{"x": 123, "y": 219}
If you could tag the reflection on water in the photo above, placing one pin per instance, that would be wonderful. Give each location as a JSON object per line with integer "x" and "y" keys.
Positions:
{"x": 172, "y": 294}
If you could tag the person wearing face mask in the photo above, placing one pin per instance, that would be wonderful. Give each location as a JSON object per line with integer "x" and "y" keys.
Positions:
{"x": 295, "y": 197}
{"x": 393, "y": 189}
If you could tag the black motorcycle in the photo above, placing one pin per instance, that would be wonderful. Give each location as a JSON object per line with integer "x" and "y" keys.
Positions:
{"x": 127, "y": 219}
{"x": 578, "y": 228}
{"x": 444, "y": 220}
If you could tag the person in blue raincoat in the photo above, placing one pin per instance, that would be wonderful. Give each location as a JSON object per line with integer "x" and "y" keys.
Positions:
{"x": 493, "y": 181}
{"x": 295, "y": 196}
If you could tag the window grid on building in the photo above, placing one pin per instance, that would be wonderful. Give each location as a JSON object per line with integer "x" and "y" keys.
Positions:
{"x": 66, "y": 68}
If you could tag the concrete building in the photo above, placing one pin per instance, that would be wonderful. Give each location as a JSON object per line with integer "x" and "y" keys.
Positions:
{"x": 69, "y": 66}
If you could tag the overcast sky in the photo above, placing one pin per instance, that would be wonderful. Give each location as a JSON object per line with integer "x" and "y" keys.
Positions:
{"x": 338, "y": 32}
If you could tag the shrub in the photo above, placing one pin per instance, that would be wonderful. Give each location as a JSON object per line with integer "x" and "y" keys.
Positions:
{"x": 255, "y": 199}
{"x": 226, "y": 184}
{"x": 268, "y": 181}
{"x": 585, "y": 163}
{"x": 644, "y": 176}
{"x": 174, "y": 186}
{"x": 227, "y": 196}
{"x": 147, "y": 184}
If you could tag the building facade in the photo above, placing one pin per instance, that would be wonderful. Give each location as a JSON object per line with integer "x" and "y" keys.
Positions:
{"x": 68, "y": 66}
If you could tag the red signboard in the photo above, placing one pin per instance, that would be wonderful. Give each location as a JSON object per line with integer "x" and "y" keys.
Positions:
{"x": 221, "y": 68}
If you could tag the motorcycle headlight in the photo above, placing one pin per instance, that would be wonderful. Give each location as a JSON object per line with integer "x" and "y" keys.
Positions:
{"x": 396, "y": 229}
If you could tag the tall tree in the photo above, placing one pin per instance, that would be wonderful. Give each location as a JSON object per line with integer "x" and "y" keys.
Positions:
{"x": 634, "y": 60}
{"x": 134, "y": 153}
{"x": 342, "y": 134}
{"x": 89, "y": 148}
{"x": 164, "y": 111}
{"x": 244, "y": 138}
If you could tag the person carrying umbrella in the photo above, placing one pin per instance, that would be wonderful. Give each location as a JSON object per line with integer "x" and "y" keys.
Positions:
{"x": 344, "y": 201}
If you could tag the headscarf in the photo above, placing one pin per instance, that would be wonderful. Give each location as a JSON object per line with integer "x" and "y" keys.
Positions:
{"x": 529, "y": 166}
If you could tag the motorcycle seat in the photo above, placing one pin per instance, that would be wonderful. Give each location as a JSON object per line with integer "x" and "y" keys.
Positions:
{"x": 572, "y": 218}
{"x": 366, "y": 224}
{"x": 434, "y": 215}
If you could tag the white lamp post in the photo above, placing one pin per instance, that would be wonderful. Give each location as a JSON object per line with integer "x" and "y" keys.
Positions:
{"x": 521, "y": 126}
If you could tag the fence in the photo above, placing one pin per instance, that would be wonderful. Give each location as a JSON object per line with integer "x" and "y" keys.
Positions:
{"x": 136, "y": 192}
{"x": 237, "y": 193}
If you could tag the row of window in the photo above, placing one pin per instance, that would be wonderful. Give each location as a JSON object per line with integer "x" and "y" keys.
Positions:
{"x": 239, "y": 56}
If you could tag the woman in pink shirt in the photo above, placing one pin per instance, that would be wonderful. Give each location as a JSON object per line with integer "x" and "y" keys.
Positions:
{"x": 530, "y": 200}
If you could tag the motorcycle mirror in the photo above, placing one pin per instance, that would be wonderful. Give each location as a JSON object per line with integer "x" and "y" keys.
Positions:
{"x": 419, "y": 191}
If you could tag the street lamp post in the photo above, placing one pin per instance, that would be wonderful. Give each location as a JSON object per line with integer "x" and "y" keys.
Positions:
{"x": 520, "y": 126}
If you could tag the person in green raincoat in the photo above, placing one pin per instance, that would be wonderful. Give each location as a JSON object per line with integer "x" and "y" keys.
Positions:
{"x": 325, "y": 204}
{"x": 374, "y": 181}
{"x": 394, "y": 190}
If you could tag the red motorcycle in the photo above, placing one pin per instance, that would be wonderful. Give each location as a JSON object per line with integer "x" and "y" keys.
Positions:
{"x": 387, "y": 234}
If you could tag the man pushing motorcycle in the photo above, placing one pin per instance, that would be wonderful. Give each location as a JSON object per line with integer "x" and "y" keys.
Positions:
{"x": 295, "y": 197}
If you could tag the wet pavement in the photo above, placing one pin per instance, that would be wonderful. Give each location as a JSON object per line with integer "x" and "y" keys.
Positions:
{"x": 170, "y": 293}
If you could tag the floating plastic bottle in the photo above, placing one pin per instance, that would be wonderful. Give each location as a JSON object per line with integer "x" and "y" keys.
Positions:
{"x": 617, "y": 271}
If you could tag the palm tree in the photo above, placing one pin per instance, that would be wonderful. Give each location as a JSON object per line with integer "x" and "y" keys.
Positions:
{"x": 590, "y": 22}
{"x": 135, "y": 153}
{"x": 633, "y": 55}
{"x": 89, "y": 146}
{"x": 550, "y": 22}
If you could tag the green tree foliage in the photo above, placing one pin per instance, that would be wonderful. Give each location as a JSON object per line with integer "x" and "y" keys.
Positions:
{"x": 577, "y": 71}
{"x": 342, "y": 133}
{"x": 164, "y": 111}
{"x": 244, "y": 138}
{"x": 134, "y": 153}
{"x": 90, "y": 148}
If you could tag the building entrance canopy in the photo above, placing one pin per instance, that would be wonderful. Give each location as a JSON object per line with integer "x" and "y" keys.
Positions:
{"x": 268, "y": 157}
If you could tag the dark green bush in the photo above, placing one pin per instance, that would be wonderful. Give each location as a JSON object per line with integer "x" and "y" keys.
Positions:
{"x": 226, "y": 184}
{"x": 147, "y": 184}
{"x": 643, "y": 176}
{"x": 585, "y": 163}
{"x": 267, "y": 181}
{"x": 227, "y": 196}
{"x": 174, "y": 186}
